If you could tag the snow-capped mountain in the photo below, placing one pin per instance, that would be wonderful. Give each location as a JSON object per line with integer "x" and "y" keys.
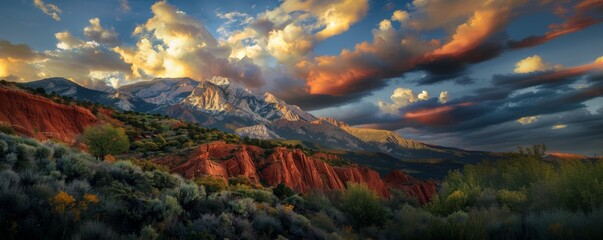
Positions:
{"x": 223, "y": 104}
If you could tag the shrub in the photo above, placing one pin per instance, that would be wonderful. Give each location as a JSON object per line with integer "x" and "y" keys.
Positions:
{"x": 148, "y": 233}
{"x": 212, "y": 184}
{"x": 3, "y": 146}
{"x": 105, "y": 139}
{"x": 43, "y": 152}
{"x": 282, "y": 191}
{"x": 190, "y": 192}
{"x": 265, "y": 223}
{"x": 95, "y": 230}
{"x": 362, "y": 205}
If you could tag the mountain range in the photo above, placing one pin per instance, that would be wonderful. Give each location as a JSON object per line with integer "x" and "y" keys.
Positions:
{"x": 222, "y": 104}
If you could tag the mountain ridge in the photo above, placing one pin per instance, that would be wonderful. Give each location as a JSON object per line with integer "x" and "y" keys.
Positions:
{"x": 219, "y": 103}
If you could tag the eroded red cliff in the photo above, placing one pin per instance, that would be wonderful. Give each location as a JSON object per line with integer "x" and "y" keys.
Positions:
{"x": 41, "y": 118}
{"x": 291, "y": 167}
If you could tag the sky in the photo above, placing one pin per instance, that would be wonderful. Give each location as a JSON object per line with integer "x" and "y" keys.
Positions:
{"x": 482, "y": 75}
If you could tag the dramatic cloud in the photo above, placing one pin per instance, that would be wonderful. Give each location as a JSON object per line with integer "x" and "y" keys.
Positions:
{"x": 16, "y": 61}
{"x": 527, "y": 120}
{"x": 531, "y": 64}
{"x": 173, "y": 44}
{"x": 558, "y": 126}
{"x": 585, "y": 14}
{"x": 97, "y": 33}
{"x": 333, "y": 17}
{"x": 49, "y": 9}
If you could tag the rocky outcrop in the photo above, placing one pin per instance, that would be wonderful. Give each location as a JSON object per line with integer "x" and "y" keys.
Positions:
{"x": 423, "y": 191}
{"x": 292, "y": 167}
{"x": 259, "y": 131}
{"x": 39, "y": 117}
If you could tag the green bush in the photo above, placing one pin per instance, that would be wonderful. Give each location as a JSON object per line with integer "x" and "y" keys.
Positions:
{"x": 105, "y": 139}
{"x": 363, "y": 205}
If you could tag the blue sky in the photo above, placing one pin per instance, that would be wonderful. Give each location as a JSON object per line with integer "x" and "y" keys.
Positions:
{"x": 496, "y": 74}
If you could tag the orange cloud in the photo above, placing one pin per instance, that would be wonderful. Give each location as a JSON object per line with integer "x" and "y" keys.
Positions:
{"x": 587, "y": 13}
{"x": 471, "y": 33}
{"x": 435, "y": 116}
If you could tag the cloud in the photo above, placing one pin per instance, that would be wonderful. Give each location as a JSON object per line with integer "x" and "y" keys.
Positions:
{"x": 400, "y": 16}
{"x": 97, "y": 33}
{"x": 559, "y": 126}
{"x": 401, "y": 98}
{"x": 424, "y": 95}
{"x": 532, "y": 64}
{"x": 527, "y": 120}
{"x": 551, "y": 78}
{"x": 66, "y": 41}
{"x": 585, "y": 14}
{"x": 16, "y": 61}
{"x": 443, "y": 98}
{"x": 48, "y": 9}
{"x": 173, "y": 44}
{"x": 333, "y": 17}
{"x": 289, "y": 44}
{"x": 599, "y": 60}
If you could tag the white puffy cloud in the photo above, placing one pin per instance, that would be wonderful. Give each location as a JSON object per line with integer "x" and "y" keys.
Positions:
{"x": 402, "y": 97}
{"x": 290, "y": 31}
{"x": 49, "y": 9}
{"x": 385, "y": 25}
{"x": 533, "y": 64}
{"x": 443, "y": 98}
{"x": 527, "y": 120}
{"x": 424, "y": 95}
{"x": 400, "y": 16}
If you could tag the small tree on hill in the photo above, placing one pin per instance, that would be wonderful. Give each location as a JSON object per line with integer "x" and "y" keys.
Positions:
{"x": 282, "y": 191}
{"x": 105, "y": 139}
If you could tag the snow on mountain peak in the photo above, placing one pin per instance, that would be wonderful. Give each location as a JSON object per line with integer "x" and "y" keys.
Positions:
{"x": 220, "y": 81}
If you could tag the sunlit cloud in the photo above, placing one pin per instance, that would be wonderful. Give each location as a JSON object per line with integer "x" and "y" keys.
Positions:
{"x": 173, "y": 44}
{"x": 527, "y": 120}
{"x": 443, "y": 98}
{"x": 533, "y": 64}
{"x": 400, "y": 16}
{"x": 49, "y": 9}
{"x": 401, "y": 98}
{"x": 559, "y": 126}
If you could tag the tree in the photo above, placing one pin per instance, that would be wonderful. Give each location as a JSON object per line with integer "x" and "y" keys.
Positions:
{"x": 105, "y": 139}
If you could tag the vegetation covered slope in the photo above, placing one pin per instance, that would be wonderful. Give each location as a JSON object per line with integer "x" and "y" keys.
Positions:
{"x": 50, "y": 191}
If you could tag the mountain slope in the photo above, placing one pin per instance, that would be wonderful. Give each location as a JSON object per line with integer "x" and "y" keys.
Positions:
{"x": 40, "y": 117}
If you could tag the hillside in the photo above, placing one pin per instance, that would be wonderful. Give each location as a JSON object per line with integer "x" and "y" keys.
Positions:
{"x": 185, "y": 147}
{"x": 40, "y": 117}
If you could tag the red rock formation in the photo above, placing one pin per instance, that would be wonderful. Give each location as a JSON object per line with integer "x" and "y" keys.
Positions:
{"x": 291, "y": 167}
{"x": 39, "y": 117}
{"x": 423, "y": 191}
